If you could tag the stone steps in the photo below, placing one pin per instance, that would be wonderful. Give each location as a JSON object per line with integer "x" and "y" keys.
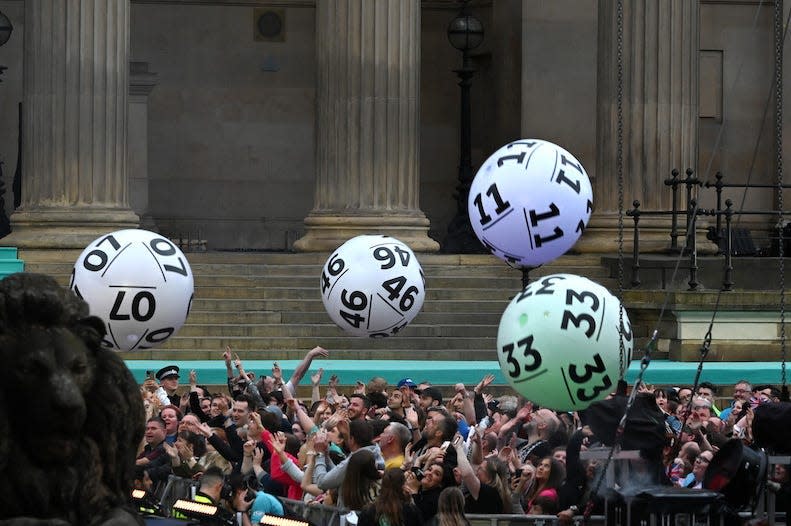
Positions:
{"x": 328, "y": 330}
{"x": 319, "y": 316}
{"x": 267, "y": 306}
{"x": 425, "y": 356}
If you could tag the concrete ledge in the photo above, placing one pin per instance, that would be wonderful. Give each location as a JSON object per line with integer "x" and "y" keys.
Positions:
{"x": 659, "y": 372}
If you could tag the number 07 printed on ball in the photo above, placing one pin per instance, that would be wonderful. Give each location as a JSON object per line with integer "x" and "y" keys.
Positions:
{"x": 139, "y": 283}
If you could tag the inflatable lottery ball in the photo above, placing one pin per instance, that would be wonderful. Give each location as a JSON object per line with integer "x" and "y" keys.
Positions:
{"x": 139, "y": 283}
{"x": 372, "y": 285}
{"x": 530, "y": 202}
{"x": 558, "y": 342}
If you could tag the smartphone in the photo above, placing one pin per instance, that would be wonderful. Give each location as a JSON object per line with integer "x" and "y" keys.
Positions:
{"x": 445, "y": 445}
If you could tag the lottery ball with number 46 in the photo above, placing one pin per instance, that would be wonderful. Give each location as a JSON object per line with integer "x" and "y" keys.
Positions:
{"x": 139, "y": 283}
{"x": 372, "y": 285}
{"x": 530, "y": 202}
{"x": 559, "y": 342}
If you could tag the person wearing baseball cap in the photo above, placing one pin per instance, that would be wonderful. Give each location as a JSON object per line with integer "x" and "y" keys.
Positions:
{"x": 406, "y": 382}
{"x": 168, "y": 378}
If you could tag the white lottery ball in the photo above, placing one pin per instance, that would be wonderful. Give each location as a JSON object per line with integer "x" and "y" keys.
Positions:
{"x": 530, "y": 202}
{"x": 559, "y": 342}
{"x": 372, "y": 285}
{"x": 139, "y": 283}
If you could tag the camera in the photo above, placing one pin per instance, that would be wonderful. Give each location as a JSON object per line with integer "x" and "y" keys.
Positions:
{"x": 418, "y": 473}
{"x": 236, "y": 482}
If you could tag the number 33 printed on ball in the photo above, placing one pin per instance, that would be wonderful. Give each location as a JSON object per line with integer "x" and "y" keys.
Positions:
{"x": 559, "y": 342}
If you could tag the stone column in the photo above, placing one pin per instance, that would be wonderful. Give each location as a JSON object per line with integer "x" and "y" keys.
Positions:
{"x": 367, "y": 156}
{"x": 74, "y": 182}
{"x": 660, "y": 116}
{"x": 141, "y": 83}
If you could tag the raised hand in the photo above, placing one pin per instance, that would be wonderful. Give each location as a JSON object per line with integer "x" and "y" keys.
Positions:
{"x": 278, "y": 442}
{"x": 249, "y": 447}
{"x": 227, "y": 355}
{"x": 315, "y": 378}
{"x": 319, "y": 351}
{"x": 172, "y": 452}
{"x": 320, "y": 441}
{"x": 193, "y": 377}
{"x": 525, "y": 412}
{"x": 484, "y": 383}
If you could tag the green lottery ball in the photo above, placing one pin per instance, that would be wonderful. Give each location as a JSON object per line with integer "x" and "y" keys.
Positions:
{"x": 559, "y": 342}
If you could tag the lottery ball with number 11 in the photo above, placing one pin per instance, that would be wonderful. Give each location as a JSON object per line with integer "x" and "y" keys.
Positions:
{"x": 530, "y": 202}
{"x": 559, "y": 342}
{"x": 139, "y": 283}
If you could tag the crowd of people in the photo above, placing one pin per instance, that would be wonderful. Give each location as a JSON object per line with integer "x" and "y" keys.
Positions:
{"x": 411, "y": 453}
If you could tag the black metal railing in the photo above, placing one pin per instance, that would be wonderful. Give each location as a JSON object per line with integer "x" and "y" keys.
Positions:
{"x": 723, "y": 237}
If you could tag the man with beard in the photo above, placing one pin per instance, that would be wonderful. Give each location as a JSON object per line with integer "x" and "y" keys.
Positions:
{"x": 438, "y": 431}
{"x": 538, "y": 427}
{"x": 358, "y": 407}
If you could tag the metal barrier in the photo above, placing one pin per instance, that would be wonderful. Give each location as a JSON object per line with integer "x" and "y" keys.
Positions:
{"x": 323, "y": 515}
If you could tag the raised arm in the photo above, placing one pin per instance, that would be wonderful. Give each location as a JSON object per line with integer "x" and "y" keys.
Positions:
{"x": 303, "y": 367}
{"x": 315, "y": 382}
{"x": 307, "y": 423}
{"x": 465, "y": 468}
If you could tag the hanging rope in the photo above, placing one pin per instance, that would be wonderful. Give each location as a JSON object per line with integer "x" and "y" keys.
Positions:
{"x": 779, "y": 41}
{"x": 619, "y": 170}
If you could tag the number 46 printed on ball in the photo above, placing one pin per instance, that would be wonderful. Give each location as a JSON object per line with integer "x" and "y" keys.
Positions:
{"x": 372, "y": 285}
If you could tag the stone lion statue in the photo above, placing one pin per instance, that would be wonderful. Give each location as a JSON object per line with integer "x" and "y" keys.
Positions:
{"x": 71, "y": 415}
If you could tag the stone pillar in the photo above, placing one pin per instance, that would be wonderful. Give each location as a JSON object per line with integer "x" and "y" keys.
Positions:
{"x": 367, "y": 173}
{"x": 141, "y": 83}
{"x": 660, "y": 116}
{"x": 74, "y": 182}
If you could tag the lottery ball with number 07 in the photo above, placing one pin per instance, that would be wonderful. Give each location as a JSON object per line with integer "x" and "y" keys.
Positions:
{"x": 372, "y": 285}
{"x": 530, "y": 202}
{"x": 139, "y": 283}
{"x": 559, "y": 342}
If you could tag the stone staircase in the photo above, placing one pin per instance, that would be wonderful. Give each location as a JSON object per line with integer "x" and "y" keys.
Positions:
{"x": 267, "y": 306}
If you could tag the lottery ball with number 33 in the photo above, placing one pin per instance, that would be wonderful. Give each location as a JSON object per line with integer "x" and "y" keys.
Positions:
{"x": 530, "y": 202}
{"x": 559, "y": 342}
{"x": 372, "y": 285}
{"x": 139, "y": 283}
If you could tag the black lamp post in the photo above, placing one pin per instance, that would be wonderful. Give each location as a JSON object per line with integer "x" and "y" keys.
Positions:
{"x": 465, "y": 33}
{"x": 5, "y": 33}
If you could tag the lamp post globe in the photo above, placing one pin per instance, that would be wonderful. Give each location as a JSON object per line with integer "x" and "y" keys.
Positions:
{"x": 6, "y": 28}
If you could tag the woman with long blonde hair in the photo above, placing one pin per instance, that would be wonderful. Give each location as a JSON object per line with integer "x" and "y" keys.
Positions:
{"x": 450, "y": 509}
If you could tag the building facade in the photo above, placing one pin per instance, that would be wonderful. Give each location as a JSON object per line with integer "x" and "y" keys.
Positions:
{"x": 295, "y": 124}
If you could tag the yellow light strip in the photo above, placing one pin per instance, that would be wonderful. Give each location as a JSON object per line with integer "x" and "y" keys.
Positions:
{"x": 138, "y": 494}
{"x": 274, "y": 520}
{"x": 195, "y": 507}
